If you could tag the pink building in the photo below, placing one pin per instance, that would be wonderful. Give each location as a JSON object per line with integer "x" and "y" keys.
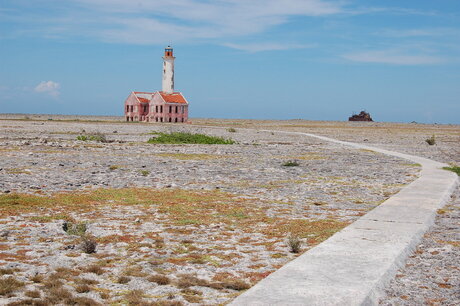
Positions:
{"x": 159, "y": 106}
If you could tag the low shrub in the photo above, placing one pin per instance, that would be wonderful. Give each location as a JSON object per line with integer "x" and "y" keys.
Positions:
{"x": 291, "y": 163}
{"x": 159, "y": 279}
{"x": 123, "y": 279}
{"x": 188, "y": 138}
{"x": 88, "y": 245}
{"x": 231, "y": 130}
{"x": 235, "y": 284}
{"x": 78, "y": 229}
{"x": 431, "y": 141}
{"x": 33, "y": 294}
{"x": 99, "y": 137}
{"x": 9, "y": 284}
{"x": 145, "y": 172}
{"x": 95, "y": 269}
{"x": 294, "y": 243}
{"x": 82, "y": 288}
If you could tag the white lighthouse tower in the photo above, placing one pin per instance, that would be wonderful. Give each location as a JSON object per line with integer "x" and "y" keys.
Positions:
{"x": 168, "y": 71}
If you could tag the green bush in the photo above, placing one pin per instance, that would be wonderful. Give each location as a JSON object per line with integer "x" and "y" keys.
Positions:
{"x": 431, "y": 141}
{"x": 99, "y": 137}
{"x": 231, "y": 130}
{"x": 188, "y": 138}
{"x": 291, "y": 163}
{"x": 455, "y": 169}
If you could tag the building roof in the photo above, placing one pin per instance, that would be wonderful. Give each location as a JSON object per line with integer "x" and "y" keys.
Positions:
{"x": 175, "y": 97}
{"x": 144, "y": 97}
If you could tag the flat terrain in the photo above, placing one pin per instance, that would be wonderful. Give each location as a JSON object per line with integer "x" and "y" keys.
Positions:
{"x": 184, "y": 223}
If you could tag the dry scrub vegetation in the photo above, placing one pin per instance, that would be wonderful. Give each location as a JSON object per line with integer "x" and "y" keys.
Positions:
{"x": 149, "y": 238}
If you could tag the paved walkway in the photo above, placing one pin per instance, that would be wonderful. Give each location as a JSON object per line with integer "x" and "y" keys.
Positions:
{"x": 353, "y": 266}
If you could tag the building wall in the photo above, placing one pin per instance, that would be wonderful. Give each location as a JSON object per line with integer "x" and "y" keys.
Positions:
{"x": 163, "y": 112}
{"x": 131, "y": 108}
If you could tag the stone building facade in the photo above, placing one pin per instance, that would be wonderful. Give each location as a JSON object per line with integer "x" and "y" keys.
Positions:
{"x": 159, "y": 106}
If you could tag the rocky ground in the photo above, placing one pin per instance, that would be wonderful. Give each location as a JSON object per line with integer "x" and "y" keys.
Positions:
{"x": 176, "y": 224}
{"x": 431, "y": 274}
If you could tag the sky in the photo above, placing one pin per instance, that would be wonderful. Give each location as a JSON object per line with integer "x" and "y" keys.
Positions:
{"x": 251, "y": 59}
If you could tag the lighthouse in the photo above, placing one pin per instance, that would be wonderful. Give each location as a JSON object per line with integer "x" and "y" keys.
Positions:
{"x": 168, "y": 71}
{"x": 158, "y": 106}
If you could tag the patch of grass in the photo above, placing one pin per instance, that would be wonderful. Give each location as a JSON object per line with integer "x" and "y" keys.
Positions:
{"x": 77, "y": 229}
{"x": 38, "y": 278}
{"x": 4, "y": 271}
{"x": 95, "y": 269}
{"x": 99, "y": 137}
{"x": 412, "y": 165}
{"x": 135, "y": 297}
{"x": 114, "y": 167}
{"x": 188, "y": 138}
{"x": 191, "y": 295}
{"x": 33, "y": 294}
{"x": 315, "y": 231}
{"x": 291, "y": 163}
{"x": 134, "y": 271}
{"x": 235, "y": 284}
{"x": 82, "y": 288}
{"x": 187, "y": 280}
{"x": 45, "y": 219}
{"x": 455, "y": 169}
{"x": 159, "y": 279}
{"x": 9, "y": 284}
{"x": 192, "y": 156}
{"x": 123, "y": 279}
{"x": 431, "y": 141}
{"x": 145, "y": 172}
{"x": 231, "y": 130}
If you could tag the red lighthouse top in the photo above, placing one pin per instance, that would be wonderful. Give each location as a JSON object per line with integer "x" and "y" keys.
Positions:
{"x": 168, "y": 51}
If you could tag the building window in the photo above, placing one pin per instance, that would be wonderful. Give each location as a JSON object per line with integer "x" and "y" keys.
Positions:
{"x": 177, "y": 109}
{"x": 176, "y": 119}
{"x": 170, "y": 119}
{"x": 182, "y": 119}
{"x": 127, "y": 108}
{"x": 161, "y": 109}
{"x": 170, "y": 109}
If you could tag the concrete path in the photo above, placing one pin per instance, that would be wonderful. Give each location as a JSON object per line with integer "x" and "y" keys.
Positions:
{"x": 353, "y": 266}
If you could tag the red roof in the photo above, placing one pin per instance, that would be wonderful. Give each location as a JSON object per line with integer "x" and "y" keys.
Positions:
{"x": 175, "y": 97}
{"x": 143, "y": 100}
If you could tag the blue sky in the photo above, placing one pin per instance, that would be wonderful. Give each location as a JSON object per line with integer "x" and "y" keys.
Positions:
{"x": 261, "y": 59}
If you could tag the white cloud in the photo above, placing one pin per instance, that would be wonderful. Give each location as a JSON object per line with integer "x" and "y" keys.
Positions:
{"x": 422, "y": 32}
{"x": 148, "y": 21}
{"x": 48, "y": 87}
{"x": 394, "y": 57}
{"x": 258, "y": 47}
